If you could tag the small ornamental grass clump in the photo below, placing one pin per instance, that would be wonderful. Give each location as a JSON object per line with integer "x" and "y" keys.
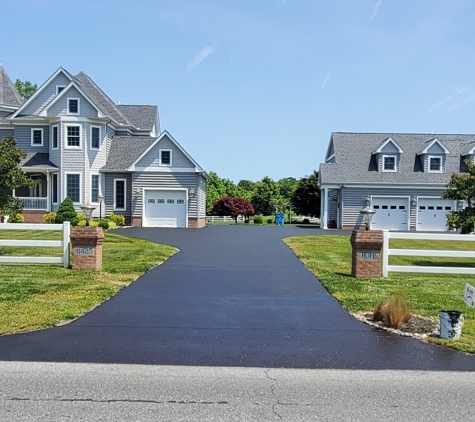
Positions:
{"x": 393, "y": 312}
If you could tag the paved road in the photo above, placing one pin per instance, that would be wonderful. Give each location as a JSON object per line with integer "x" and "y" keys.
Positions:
{"x": 94, "y": 392}
{"x": 234, "y": 296}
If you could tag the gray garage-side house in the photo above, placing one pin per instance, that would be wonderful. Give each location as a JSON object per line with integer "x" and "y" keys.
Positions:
{"x": 400, "y": 176}
{"x": 81, "y": 144}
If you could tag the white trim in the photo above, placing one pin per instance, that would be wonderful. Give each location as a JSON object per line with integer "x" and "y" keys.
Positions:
{"x": 52, "y": 137}
{"x": 58, "y": 87}
{"x": 331, "y": 157}
{"x": 90, "y": 138}
{"x": 143, "y": 190}
{"x": 34, "y": 129}
{"x": 160, "y": 163}
{"x": 164, "y": 169}
{"x": 69, "y": 112}
{"x": 66, "y": 174}
{"x": 435, "y": 141}
{"x": 394, "y": 170}
{"x": 408, "y": 206}
{"x": 66, "y": 146}
{"x": 387, "y": 141}
{"x": 125, "y": 194}
{"x": 441, "y": 164}
{"x": 454, "y": 206}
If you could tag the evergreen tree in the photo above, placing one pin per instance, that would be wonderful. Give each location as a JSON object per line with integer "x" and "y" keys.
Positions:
{"x": 66, "y": 212}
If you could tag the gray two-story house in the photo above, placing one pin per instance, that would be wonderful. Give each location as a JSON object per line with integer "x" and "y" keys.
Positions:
{"x": 80, "y": 144}
{"x": 400, "y": 176}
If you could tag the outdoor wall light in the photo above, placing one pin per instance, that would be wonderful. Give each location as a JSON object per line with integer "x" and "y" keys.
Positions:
{"x": 368, "y": 201}
{"x": 367, "y": 213}
{"x": 87, "y": 211}
{"x": 100, "y": 198}
{"x": 413, "y": 201}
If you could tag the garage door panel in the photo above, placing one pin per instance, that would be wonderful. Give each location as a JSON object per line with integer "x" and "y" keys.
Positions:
{"x": 391, "y": 213}
{"x": 432, "y": 213}
{"x": 165, "y": 208}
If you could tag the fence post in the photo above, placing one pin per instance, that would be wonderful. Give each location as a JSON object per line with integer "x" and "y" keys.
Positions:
{"x": 385, "y": 252}
{"x": 66, "y": 238}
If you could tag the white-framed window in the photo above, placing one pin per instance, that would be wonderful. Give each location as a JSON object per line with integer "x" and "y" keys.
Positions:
{"x": 165, "y": 157}
{"x": 389, "y": 162}
{"x": 36, "y": 137}
{"x": 73, "y": 136}
{"x": 120, "y": 194}
{"x": 435, "y": 164}
{"x": 95, "y": 137}
{"x": 73, "y": 106}
{"x": 59, "y": 88}
{"x": 54, "y": 188}
{"x": 94, "y": 188}
{"x": 55, "y": 137}
{"x": 73, "y": 186}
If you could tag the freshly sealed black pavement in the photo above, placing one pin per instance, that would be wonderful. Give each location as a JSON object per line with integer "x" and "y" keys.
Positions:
{"x": 232, "y": 296}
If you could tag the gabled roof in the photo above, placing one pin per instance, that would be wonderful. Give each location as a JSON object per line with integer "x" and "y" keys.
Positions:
{"x": 430, "y": 144}
{"x": 143, "y": 117}
{"x": 356, "y": 164}
{"x": 9, "y": 95}
{"x": 387, "y": 141}
{"x": 469, "y": 150}
{"x": 162, "y": 136}
{"x": 124, "y": 150}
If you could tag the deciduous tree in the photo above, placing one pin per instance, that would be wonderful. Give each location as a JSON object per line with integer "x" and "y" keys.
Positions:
{"x": 25, "y": 88}
{"x": 233, "y": 207}
{"x": 306, "y": 197}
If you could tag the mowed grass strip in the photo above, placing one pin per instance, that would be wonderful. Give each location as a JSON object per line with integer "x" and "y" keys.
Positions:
{"x": 329, "y": 258}
{"x": 34, "y": 296}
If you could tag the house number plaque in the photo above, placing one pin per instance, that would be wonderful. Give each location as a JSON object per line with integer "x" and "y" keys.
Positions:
{"x": 83, "y": 251}
{"x": 369, "y": 256}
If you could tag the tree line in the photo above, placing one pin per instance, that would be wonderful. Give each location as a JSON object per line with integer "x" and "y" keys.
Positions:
{"x": 266, "y": 196}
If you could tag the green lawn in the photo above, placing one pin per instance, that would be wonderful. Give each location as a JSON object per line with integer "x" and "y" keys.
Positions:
{"x": 329, "y": 258}
{"x": 34, "y": 296}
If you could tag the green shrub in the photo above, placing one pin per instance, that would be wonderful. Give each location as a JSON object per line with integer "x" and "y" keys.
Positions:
{"x": 258, "y": 220}
{"x": 75, "y": 222}
{"x": 80, "y": 217}
{"x": 118, "y": 219}
{"x": 306, "y": 221}
{"x": 66, "y": 212}
{"x": 82, "y": 223}
{"x": 104, "y": 224}
{"x": 270, "y": 221}
{"x": 17, "y": 218}
{"x": 112, "y": 224}
{"x": 49, "y": 218}
{"x": 246, "y": 221}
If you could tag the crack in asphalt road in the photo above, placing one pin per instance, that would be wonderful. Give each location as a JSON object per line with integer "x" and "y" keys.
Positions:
{"x": 58, "y": 399}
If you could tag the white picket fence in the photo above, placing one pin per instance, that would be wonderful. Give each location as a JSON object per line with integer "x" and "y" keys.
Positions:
{"x": 63, "y": 244}
{"x": 222, "y": 219}
{"x": 387, "y": 235}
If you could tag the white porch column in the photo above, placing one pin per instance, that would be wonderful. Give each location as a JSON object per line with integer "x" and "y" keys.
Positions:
{"x": 324, "y": 208}
{"x": 48, "y": 191}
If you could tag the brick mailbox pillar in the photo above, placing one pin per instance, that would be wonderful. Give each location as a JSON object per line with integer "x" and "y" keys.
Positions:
{"x": 366, "y": 253}
{"x": 86, "y": 243}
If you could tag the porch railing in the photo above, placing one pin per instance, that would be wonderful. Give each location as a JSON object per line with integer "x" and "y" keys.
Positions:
{"x": 34, "y": 203}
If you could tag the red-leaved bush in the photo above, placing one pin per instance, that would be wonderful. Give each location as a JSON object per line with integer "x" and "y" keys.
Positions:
{"x": 233, "y": 207}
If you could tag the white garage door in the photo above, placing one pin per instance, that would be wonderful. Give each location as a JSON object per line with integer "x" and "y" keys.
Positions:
{"x": 165, "y": 208}
{"x": 391, "y": 213}
{"x": 432, "y": 214}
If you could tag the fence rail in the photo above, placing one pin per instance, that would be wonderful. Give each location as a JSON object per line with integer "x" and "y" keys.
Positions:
{"x": 63, "y": 244}
{"x": 387, "y": 235}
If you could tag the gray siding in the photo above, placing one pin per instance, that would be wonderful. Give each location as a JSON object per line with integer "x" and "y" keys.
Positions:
{"x": 23, "y": 136}
{"x": 170, "y": 181}
{"x": 61, "y": 107}
{"x": 354, "y": 200}
{"x": 6, "y": 132}
{"x": 179, "y": 160}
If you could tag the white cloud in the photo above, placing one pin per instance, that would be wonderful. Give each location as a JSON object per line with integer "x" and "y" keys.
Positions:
{"x": 449, "y": 98}
{"x": 204, "y": 52}
{"x": 375, "y": 10}
{"x": 325, "y": 81}
{"x": 460, "y": 104}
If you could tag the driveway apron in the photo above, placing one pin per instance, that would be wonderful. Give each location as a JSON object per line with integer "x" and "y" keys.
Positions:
{"x": 232, "y": 296}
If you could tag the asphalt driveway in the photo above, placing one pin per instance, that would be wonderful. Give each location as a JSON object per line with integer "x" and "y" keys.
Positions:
{"x": 233, "y": 296}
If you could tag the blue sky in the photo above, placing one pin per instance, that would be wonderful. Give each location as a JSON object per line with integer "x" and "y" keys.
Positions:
{"x": 255, "y": 87}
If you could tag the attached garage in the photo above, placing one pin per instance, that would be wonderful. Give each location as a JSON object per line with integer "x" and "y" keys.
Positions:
{"x": 392, "y": 213}
{"x": 165, "y": 208}
{"x": 432, "y": 213}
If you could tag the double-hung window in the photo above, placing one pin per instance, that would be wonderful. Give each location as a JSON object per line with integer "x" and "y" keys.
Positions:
{"x": 435, "y": 164}
{"x": 36, "y": 137}
{"x": 165, "y": 157}
{"x": 55, "y": 137}
{"x": 389, "y": 162}
{"x": 95, "y": 137}
{"x": 73, "y": 136}
{"x": 94, "y": 188}
{"x": 73, "y": 105}
{"x": 120, "y": 186}
{"x": 73, "y": 186}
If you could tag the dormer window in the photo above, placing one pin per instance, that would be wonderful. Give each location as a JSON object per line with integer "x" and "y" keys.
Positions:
{"x": 73, "y": 105}
{"x": 59, "y": 88}
{"x": 389, "y": 162}
{"x": 435, "y": 164}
